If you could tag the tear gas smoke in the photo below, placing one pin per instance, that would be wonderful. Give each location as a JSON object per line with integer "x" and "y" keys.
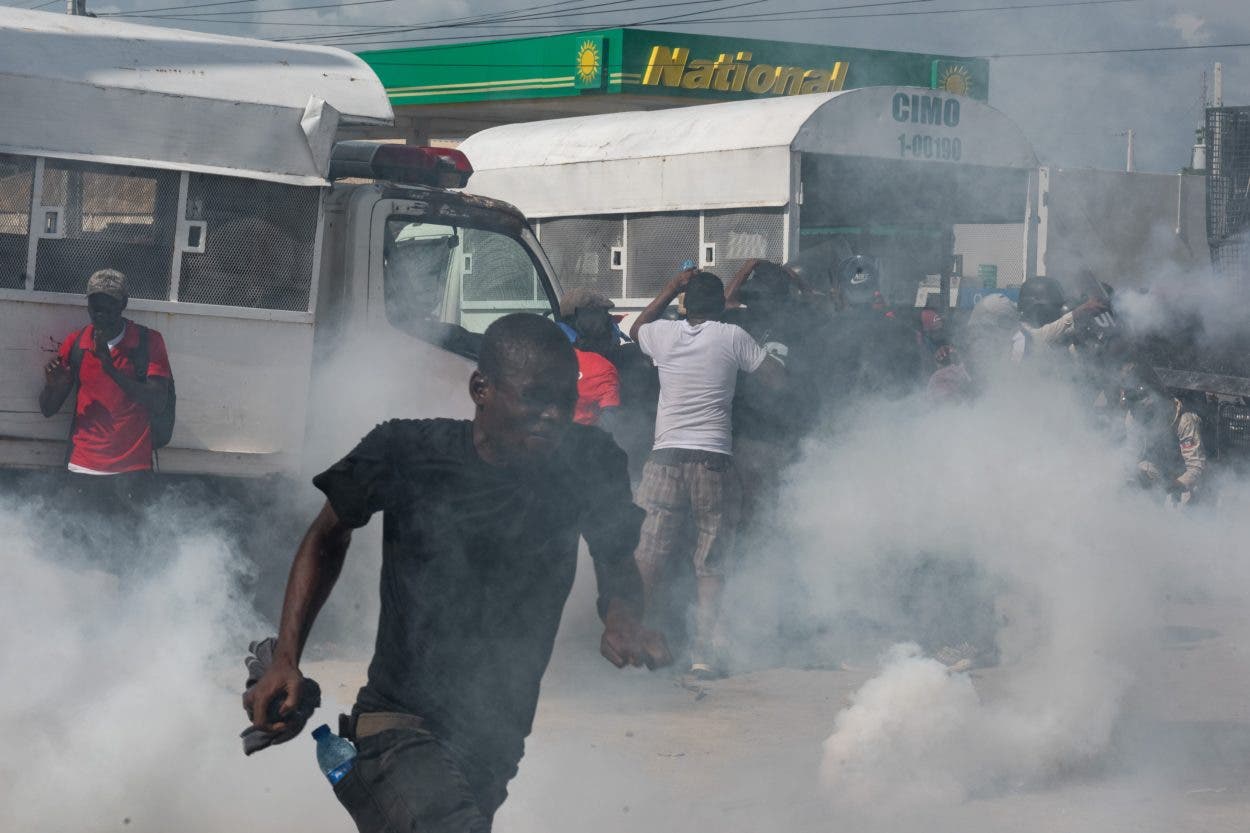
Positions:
{"x": 120, "y": 709}
{"x": 1023, "y": 495}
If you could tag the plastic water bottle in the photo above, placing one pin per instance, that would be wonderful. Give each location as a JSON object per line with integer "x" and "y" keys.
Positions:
{"x": 335, "y": 755}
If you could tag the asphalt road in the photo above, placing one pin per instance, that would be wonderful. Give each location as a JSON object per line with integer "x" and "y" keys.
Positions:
{"x": 636, "y": 751}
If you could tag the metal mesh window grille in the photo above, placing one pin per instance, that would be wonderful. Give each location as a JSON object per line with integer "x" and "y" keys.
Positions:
{"x": 258, "y": 243}
{"x": 999, "y": 244}
{"x": 497, "y": 268}
{"x": 17, "y": 175}
{"x": 110, "y": 217}
{"x": 580, "y": 249}
{"x": 658, "y": 244}
{"x": 741, "y": 234}
{"x": 1228, "y": 190}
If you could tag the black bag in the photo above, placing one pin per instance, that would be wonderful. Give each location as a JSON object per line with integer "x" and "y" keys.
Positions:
{"x": 162, "y": 423}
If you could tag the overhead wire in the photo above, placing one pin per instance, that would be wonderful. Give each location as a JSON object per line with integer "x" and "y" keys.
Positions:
{"x": 541, "y": 10}
{"x": 832, "y": 16}
{"x": 391, "y": 30}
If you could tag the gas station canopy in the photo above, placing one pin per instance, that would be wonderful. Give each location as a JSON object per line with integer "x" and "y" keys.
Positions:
{"x": 452, "y": 91}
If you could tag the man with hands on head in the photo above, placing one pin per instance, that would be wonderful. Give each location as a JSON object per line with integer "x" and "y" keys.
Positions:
{"x": 480, "y": 531}
{"x": 690, "y": 475}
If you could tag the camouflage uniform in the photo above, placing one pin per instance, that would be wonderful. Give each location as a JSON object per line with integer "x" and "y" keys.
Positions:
{"x": 1182, "y": 458}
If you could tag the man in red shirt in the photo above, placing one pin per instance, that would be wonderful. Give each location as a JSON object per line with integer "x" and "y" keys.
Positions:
{"x": 111, "y": 440}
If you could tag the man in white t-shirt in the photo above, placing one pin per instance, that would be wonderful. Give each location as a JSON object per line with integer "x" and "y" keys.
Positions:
{"x": 690, "y": 475}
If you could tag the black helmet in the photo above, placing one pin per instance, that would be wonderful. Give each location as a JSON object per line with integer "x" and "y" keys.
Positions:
{"x": 859, "y": 279}
{"x": 1041, "y": 301}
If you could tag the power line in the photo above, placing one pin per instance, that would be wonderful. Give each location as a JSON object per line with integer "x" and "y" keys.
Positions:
{"x": 515, "y": 14}
{"x": 394, "y": 30}
{"x": 1118, "y": 51}
{"x": 896, "y": 13}
{"x": 1020, "y": 6}
{"x": 184, "y": 7}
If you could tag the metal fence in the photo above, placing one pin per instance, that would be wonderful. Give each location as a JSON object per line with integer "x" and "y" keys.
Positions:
{"x": 1000, "y": 245}
{"x": 17, "y": 175}
{"x": 497, "y": 269}
{"x": 257, "y": 243}
{"x": 737, "y": 235}
{"x": 103, "y": 216}
{"x": 175, "y": 235}
{"x": 631, "y": 257}
{"x": 586, "y": 252}
{"x": 1228, "y": 191}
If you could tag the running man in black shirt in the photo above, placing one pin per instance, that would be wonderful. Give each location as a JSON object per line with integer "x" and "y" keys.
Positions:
{"x": 480, "y": 527}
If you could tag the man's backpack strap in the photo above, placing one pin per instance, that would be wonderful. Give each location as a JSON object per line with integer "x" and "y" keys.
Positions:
{"x": 140, "y": 357}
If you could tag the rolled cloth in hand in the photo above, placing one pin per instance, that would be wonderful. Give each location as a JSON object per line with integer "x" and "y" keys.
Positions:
{"x": 258, "y": 663}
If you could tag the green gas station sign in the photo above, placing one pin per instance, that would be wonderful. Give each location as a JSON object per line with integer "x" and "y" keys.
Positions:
{"x": 652, "y": 63}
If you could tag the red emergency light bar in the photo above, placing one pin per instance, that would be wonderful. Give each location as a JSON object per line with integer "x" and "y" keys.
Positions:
{"x": 403, "y": 164}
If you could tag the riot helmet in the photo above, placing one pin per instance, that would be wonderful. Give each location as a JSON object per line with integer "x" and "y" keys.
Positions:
{"x": 859, "y": 279}
{"x": 1041, "y": 301}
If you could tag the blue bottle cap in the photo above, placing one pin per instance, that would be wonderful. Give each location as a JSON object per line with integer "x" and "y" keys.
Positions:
{"x": 321, "y": 731}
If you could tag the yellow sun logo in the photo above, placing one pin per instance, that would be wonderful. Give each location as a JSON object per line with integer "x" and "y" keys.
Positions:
{"x": 588, "y": 62}
{"x": 956, "y": 80}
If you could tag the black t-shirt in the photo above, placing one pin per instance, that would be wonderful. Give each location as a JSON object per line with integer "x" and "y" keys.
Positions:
{"x": 477, "y": 562}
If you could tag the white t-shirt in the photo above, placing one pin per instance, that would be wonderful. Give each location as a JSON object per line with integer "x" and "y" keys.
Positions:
{"x": 698, "y": 367}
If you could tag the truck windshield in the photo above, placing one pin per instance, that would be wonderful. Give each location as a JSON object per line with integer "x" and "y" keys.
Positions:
{"x": 446, "y": 283}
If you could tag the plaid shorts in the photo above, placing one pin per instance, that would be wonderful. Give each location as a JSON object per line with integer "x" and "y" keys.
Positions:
{"x": 680, "y": 488}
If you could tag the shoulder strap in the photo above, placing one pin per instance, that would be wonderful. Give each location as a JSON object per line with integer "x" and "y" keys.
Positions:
{"x": 75, "y": 353}
{"x": 140, "y": 357}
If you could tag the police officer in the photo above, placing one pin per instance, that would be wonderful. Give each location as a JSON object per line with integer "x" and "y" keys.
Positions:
{"x": 1168, "y": 436}
{"x": 1043, "y": 322}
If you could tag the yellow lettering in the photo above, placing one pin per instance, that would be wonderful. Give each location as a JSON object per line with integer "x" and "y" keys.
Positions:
{"x": 815, "y": 81}
{"x": 739, "y": 75}
{"x": 760, "y": 78}
{"x": 665, "y": 66}
{"x": 788, "y": 77}
{"x": 699, "y": 76}
{"x": 720, "y": 76}
{"x": 838, "y": 77}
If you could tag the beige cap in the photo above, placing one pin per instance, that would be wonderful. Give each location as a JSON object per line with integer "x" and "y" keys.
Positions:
{"x": 582, "y": 298}
{"x": 107, "y": 282}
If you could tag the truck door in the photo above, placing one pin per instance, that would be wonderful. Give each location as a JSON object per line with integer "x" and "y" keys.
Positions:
{"x": 439, "y": 273}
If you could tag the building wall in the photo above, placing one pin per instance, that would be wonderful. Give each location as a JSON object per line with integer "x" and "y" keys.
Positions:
{"x": 1129, "y": 228}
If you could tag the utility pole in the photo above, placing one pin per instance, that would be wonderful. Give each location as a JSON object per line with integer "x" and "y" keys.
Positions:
{"x": 1128, "y": 163}
{"x": 76, "y": 7}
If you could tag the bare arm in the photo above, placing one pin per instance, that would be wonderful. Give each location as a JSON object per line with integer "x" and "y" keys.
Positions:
{"x": 660, "y": 303}
{"x": 771, "y": 374}
{"x": 316, "y": 568}
{"x": 58, "y": 381}
{"x": 739, "y": 278}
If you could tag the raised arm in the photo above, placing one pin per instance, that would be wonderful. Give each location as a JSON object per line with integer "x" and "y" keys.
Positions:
{"x": 739, "y": 278}
{"x": 316, "y": 568}
{"x": 660, "y": 302}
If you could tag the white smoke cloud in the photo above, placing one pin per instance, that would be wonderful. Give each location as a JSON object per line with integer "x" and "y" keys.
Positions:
{"x": 1030, "y": 497}
{"x": 120, "y": 706}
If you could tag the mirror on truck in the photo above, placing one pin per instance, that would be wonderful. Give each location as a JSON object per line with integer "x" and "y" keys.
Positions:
{"x": 445, "y": 284}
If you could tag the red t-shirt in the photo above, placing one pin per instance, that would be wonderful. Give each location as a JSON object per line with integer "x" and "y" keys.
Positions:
{"x": 598, "y": 387}
{"x": 113, "y": 433}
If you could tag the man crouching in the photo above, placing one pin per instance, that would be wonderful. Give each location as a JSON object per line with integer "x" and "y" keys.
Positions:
{"x": 480, "y": 529}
